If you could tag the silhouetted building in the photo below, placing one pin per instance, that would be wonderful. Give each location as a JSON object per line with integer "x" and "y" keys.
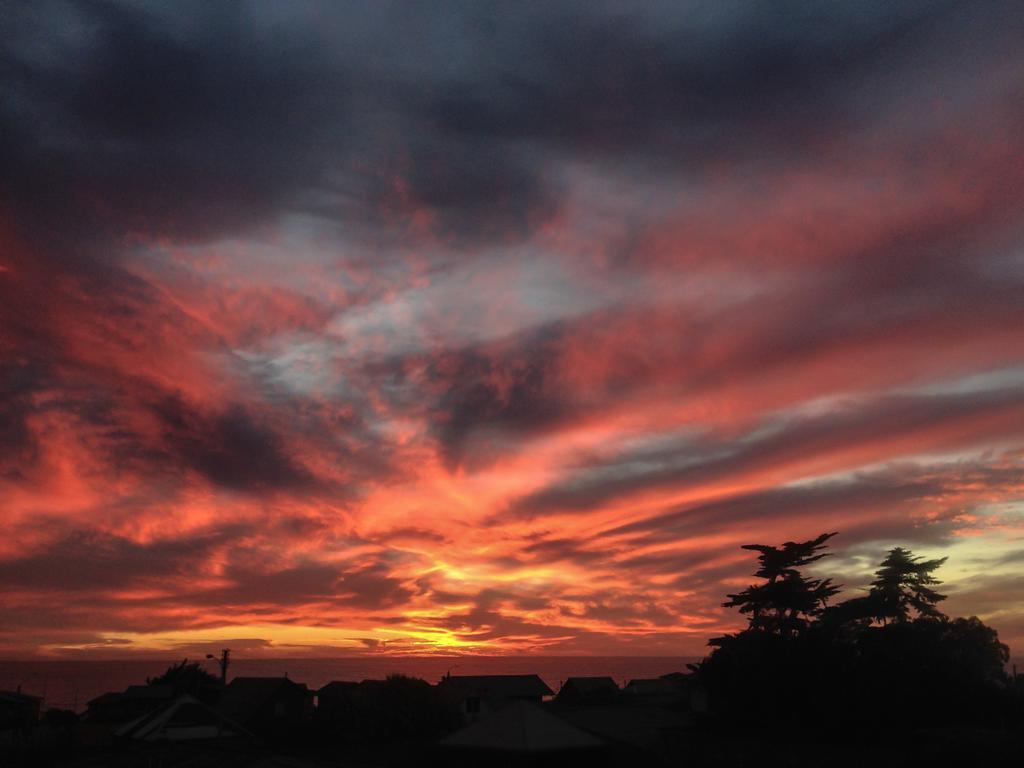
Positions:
{"x": 521, "y": 733}
{"x": 259, "y": 703}
{"x": 649, "y": 687}
{"x": 108, "y": 711}
{"x": 337, "y": 698}
{"x": 676, "y": 690}
{"x": 399, "y": 708}
{"x": 132, "y": 702}
{"x": 634, "y": 727}
{"x": 184, "y": 719}
{"x": 581, "y": 690}
{"x": 19, "y": 714}
{"x": 687, "y": 684}
{"x": 477, "y": 695}
{"x": 647, "y": 720}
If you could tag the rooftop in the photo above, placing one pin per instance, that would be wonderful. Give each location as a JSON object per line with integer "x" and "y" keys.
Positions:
{"x": 507, "y": 686}
{"x": 522, "y": 727}
{"x": 591, "y": 684}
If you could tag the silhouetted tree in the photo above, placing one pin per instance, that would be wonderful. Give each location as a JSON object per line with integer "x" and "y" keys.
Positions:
{"x": 903, "y": 581}
{"x": 976, "y": 652}
{"x": 787, "y": 600}
{"x": 800, "y": 668}
{"x": 849, "y": 615}
{"x": 189, "y": 677}
{"x": 929, "y": 671}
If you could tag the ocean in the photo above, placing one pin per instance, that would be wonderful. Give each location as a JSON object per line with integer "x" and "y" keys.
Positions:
{"x": 71, "y": 684}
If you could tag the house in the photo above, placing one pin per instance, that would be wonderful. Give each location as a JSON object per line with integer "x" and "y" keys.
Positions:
{"x": 183, "y": 719}
{"x": 690, "y": 687}
{"x": 134, "y": 701}
{"x": 633, "y": 728}
{"x": 258, "y": 703}
{"x": 649, "y": 687}
{"x": 675, "y": 690}
{"x": 108, "y": 711}
{"x": 521, "y": 733}
{"x": 587, "y": 690}
{"x": 19, "y": 714}
{"x": 336, "y": 698}
{"x": 478, "y": 695}
{"x": 398, "y": 708}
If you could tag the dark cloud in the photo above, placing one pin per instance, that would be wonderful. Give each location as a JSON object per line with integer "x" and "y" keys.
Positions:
{"x": 230, "y": 448}
{"x": 122, "y": 123}
{"x": 124, "y": 119}
{"x": 809, "y": 507}
{"x": 88, "y": 569}
{"x": 497, "y": 392}
{"x": 964, "y": 417}
{"x": 87, "y": 560}
{"x": 481, "y": 624}
{"x": 17, "y": 443}
{"x": 626, "y": 612}
{"x": 241, "y": 646}
{"x": 310, "y": 267}
{"x": 372, "y": 588}
{"x": 270, "y": 587}
{"x": 555, "y": 549}
{"x": 411, "y": 533}
{"x": 986, "y": 594}
{"x": 654, "y": 84}
{"x": 467, "y": 194}
{"x": 367, "y": 587}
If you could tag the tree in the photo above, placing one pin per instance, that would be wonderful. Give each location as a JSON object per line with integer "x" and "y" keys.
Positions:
{"x": 975, "y": 653}
{"x": 802, "y": 667}
{"x": 787, "y": 600}
{"x": 931, "y": 671}
{"x": 189, "y": 677}
{"x": 903, "y": 581}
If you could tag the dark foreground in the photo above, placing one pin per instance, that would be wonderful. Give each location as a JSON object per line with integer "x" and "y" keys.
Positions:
{"x": 881, "y": 679}
{"x": 510, "y": 720}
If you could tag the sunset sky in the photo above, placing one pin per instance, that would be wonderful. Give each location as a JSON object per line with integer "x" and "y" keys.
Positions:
{"x": 330, "y": 329}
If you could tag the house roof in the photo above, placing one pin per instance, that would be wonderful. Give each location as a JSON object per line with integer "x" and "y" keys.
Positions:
{"x": 522, "y": 727}
{"x": 262, "y": 686}
{"x": 497, "y": 686}
{"x": 17, "y": 697}
{"x": 679, "y": 678}
{"x": 245, "y": 695}
{"x": 184, "y": 719}
{"x": 150, "y": 693}
{"x": 338, "y": 686}
{"x": 643, "y": 727}
{"x": 104, "y": 698}
{"x": 651, "y": 686}
{"x": 591, "y": 684}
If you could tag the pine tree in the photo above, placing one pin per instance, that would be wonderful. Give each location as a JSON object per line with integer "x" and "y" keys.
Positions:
{"x": 787, "y": 600}
{"x": 903, "y": 581}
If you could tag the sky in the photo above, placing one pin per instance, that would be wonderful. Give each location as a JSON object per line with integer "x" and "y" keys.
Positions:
{"x": 331, "y": 329}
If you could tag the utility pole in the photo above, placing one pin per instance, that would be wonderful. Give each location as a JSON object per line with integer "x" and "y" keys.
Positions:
{"x": 225, "y": 656}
